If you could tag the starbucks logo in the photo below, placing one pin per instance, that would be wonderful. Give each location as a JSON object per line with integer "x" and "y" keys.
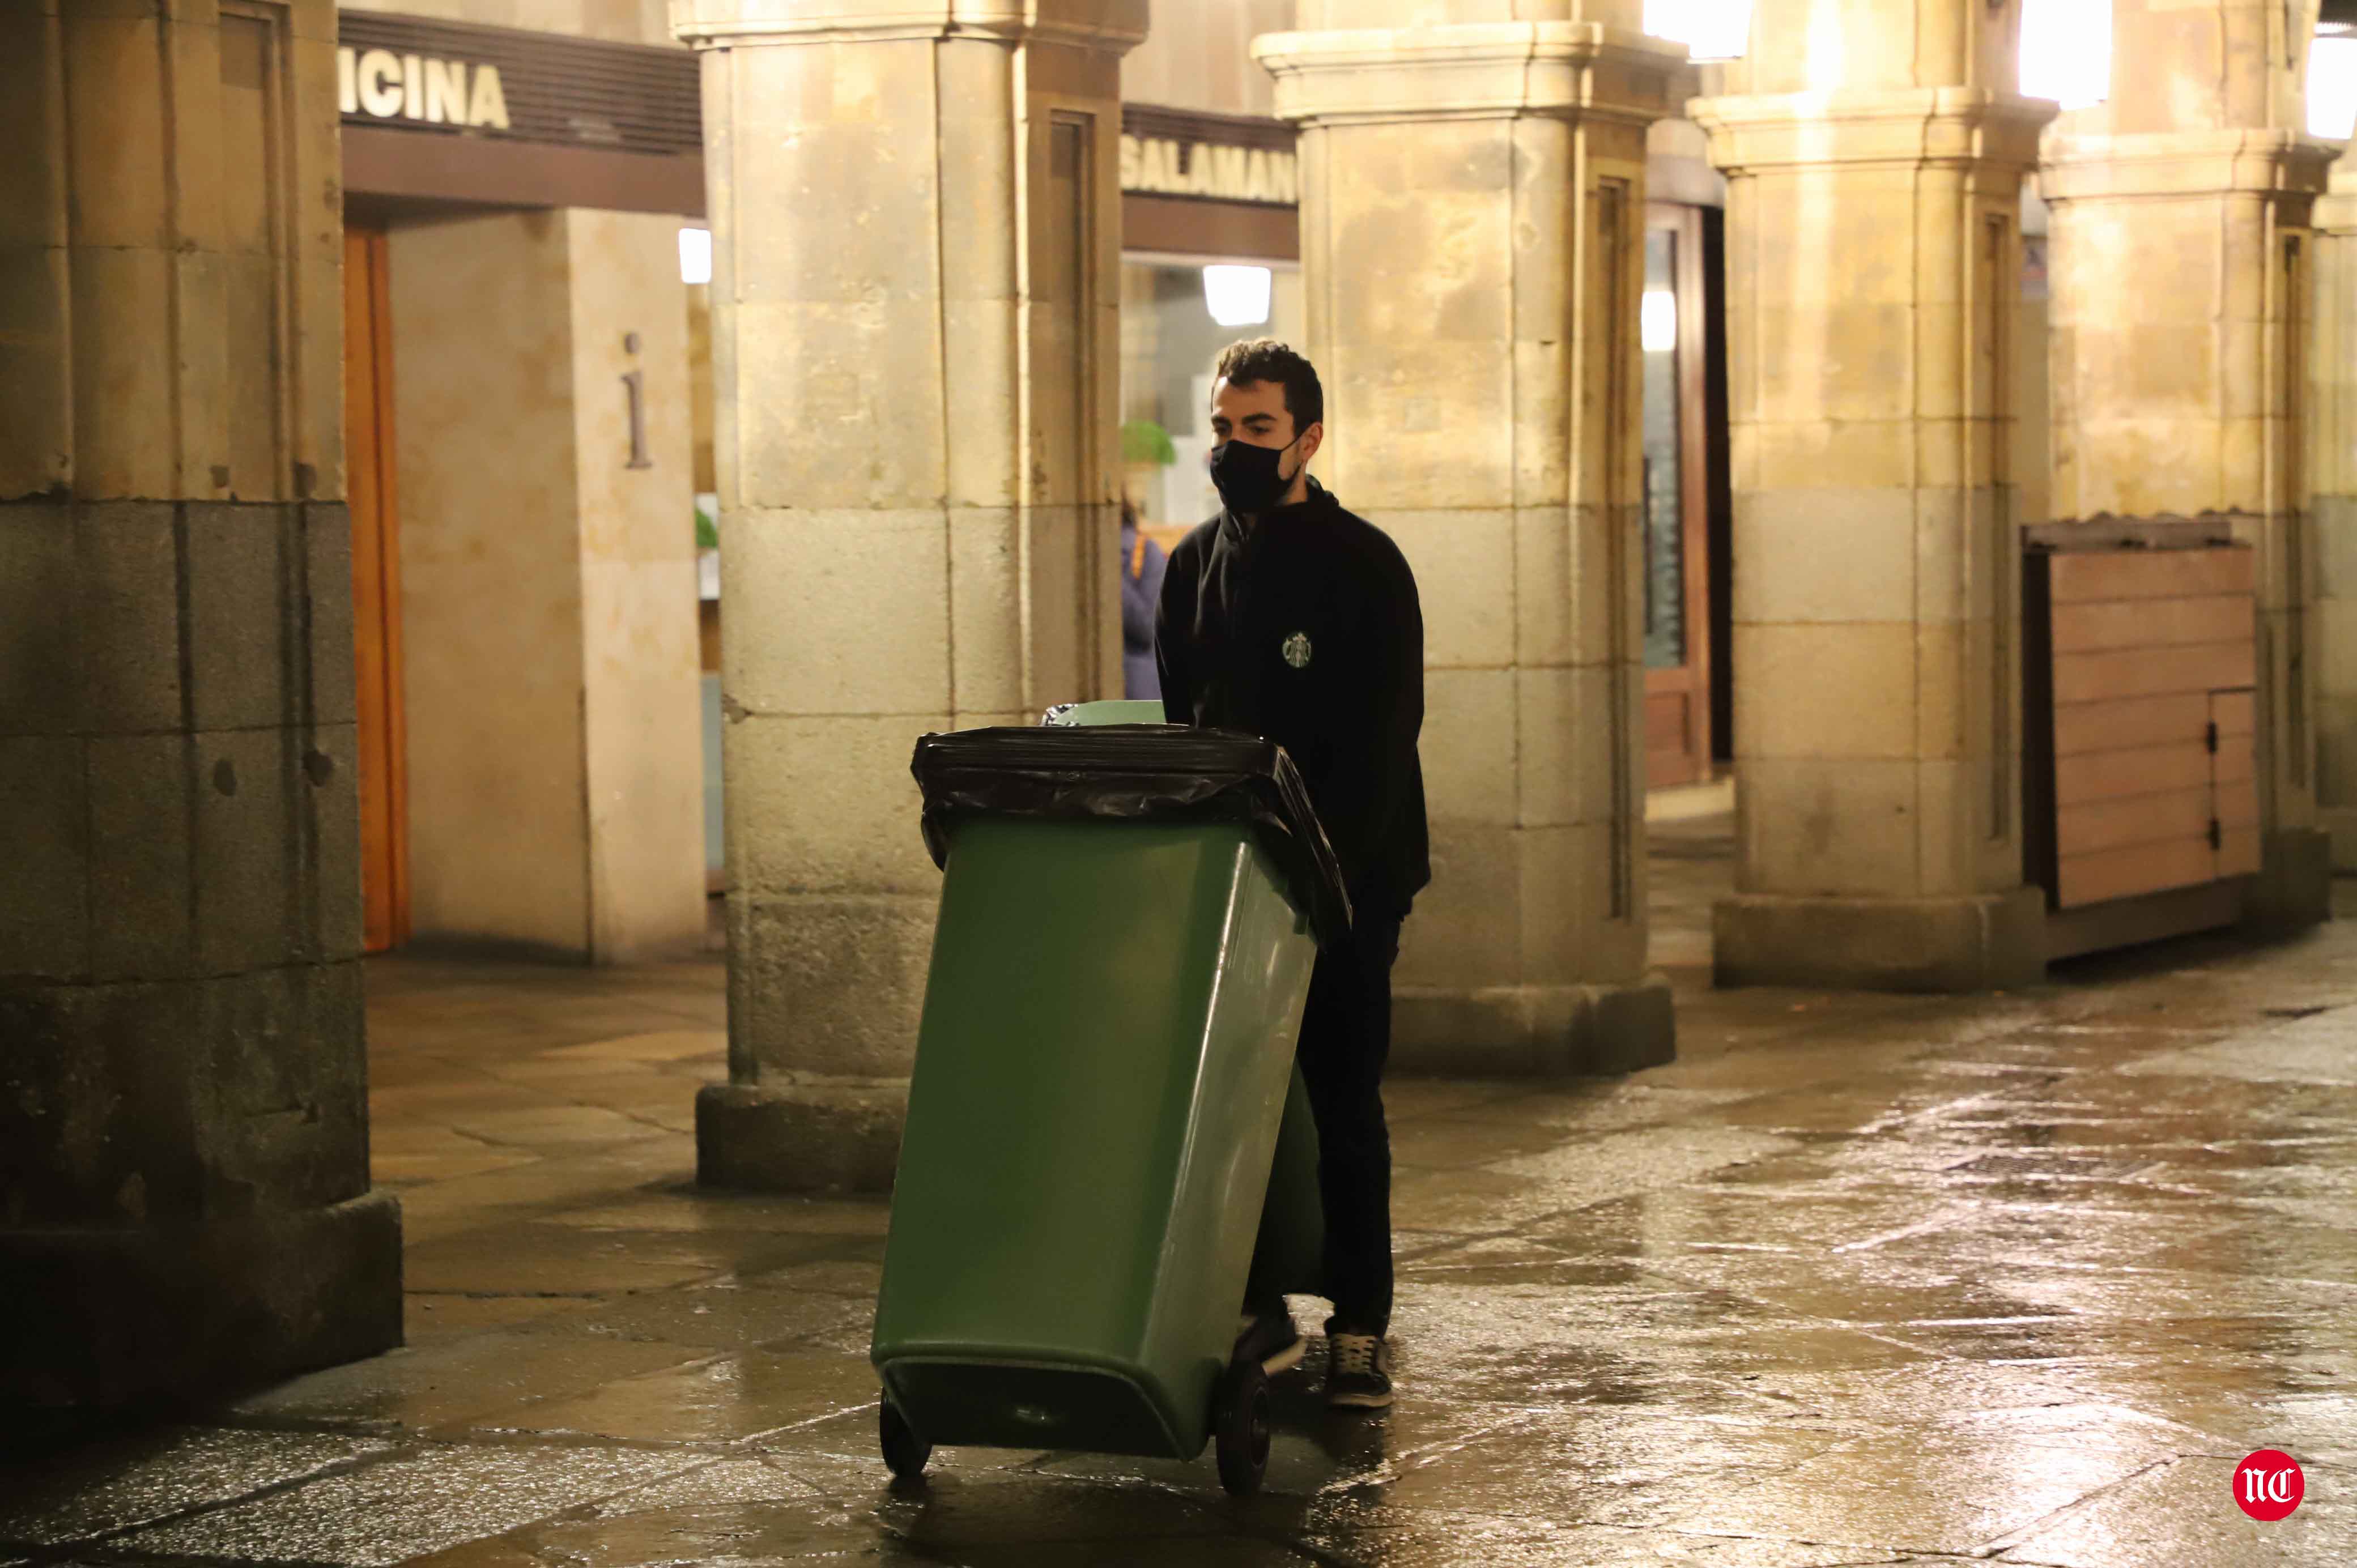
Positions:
{"x": 1296, "y": 651}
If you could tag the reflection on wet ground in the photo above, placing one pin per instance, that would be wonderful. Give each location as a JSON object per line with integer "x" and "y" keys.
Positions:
{"x": 1857, "y": 1280}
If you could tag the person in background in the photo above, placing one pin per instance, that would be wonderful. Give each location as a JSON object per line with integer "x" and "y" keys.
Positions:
{"x": 1142, "y": 568}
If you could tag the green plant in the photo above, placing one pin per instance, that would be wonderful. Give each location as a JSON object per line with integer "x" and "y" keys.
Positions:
{"x": 1143, "y": 441}
{"x": 708, "y": 533}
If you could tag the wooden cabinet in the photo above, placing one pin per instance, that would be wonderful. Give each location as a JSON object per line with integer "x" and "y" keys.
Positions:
{"x": 2139, "y": 761}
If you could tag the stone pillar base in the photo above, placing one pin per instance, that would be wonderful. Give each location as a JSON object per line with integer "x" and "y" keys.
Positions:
{"x": 1973, "y": 942}
{"x": 2340, "y": 823}
{"x": 1533, "y": 1031}
{"x": 107, "y": 1318}
{"x": 2294, "y": 887}
{"x": 839, "y": 1136}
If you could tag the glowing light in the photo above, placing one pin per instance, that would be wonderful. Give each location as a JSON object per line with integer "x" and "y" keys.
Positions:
{"x": 1657, "y": 321}
{"x": 695, "y": 256}
{"x": 2066, "y": 51}
{"x": 2333, "y": 86}
{"x": 1711, "y": 29}
{"x": 1236, "y": 296}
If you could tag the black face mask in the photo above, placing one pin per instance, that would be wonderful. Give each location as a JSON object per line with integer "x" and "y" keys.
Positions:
{"x": 1246, "y": 476}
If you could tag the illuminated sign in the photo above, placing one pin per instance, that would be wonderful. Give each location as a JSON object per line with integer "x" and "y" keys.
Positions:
{"x": 1166, "y": 166}
{"x": 388, "y": 86}
{"x": 434, "y": 77}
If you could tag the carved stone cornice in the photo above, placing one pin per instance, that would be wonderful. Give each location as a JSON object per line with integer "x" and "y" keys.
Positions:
{"x": 1113, "y": 24}
{"x": 2336, "y": 211}
{"x": 1475, "y": 71}
{"x": 2184, "y": 163}
{"x": 1903, "y": 128}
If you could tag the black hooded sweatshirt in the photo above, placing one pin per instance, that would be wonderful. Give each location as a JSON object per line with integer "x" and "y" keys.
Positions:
{"x": 1303, "y": 628}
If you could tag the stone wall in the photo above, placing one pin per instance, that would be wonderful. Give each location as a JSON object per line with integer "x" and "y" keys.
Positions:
{"x": 618, "y": 21}
{"x": 916, "y": 450}
{"x": 548, "y": 585}
{"x": 184, "y": 1182}
{"x": 1199, "y": 56}
{"x": 2332, "y": 448}
{"x": 1875, "y": 173}
{"x": 1473, "y": 238}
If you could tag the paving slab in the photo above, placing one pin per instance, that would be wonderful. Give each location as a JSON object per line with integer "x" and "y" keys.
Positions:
{"x": 2184, "y": 1512}
{"x": 718, "y": 1400}
{"x": 399, "y": 1509}
{"x": 115, "y": 1485}
{"x": 450, "y": 1381}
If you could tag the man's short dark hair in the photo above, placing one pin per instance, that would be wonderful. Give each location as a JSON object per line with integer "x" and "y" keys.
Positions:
{"x": 1259, "y": 360}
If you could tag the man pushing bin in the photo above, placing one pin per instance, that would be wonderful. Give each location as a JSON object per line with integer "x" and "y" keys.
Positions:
{"x": 1287, "y": 617}
{"x": 1147, "y": 982}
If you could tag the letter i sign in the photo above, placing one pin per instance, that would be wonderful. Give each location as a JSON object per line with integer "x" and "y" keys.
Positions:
{"x": 2268, "y": 1484}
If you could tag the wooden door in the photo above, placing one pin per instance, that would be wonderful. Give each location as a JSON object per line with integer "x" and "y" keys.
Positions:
{"x": 376, "y": 591}
{"x": 1675, "y": 501}
{"x": 2153, "y": 657}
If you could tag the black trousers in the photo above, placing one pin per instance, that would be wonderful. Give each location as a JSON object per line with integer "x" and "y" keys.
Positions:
{"x": 1346, "y": 1033}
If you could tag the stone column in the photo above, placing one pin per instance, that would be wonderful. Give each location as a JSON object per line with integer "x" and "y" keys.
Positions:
{"x": 2188, "y": 393}
{"x": 1472, "y": 229}
{"x": 916, "y": 346}
{"x": 2332, "y": 505}
{"x": 548, "y": 585}
{"x": 1873, "y": 171}
{"x": 183, "y": 1180}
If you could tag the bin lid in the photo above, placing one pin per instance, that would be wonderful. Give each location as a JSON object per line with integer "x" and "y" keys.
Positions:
{"x": 1113, "y": 711}
{"x": 1163, "y": 773}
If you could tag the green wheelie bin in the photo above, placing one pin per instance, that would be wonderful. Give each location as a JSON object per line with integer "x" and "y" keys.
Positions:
{"x": 1287, "y": 1259}
{"x": 1287, "y": 1256}
{"x": 1129, "y": 915}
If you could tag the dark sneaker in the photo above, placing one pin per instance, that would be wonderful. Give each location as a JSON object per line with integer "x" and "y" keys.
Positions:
{"x": 1358, "y": 1372}
{"x": 1270, "y": 1338}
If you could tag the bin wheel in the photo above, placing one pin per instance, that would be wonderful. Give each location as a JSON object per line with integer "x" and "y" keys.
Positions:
{"x": 904, "y": 1452}
{"x": 1240, "y": 1424}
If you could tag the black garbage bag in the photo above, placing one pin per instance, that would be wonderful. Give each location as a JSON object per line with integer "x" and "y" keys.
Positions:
{"x": 1170, "y": 773}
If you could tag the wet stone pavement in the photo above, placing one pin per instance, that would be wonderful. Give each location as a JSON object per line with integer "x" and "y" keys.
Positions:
{"x": 1858, "y": 1280}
